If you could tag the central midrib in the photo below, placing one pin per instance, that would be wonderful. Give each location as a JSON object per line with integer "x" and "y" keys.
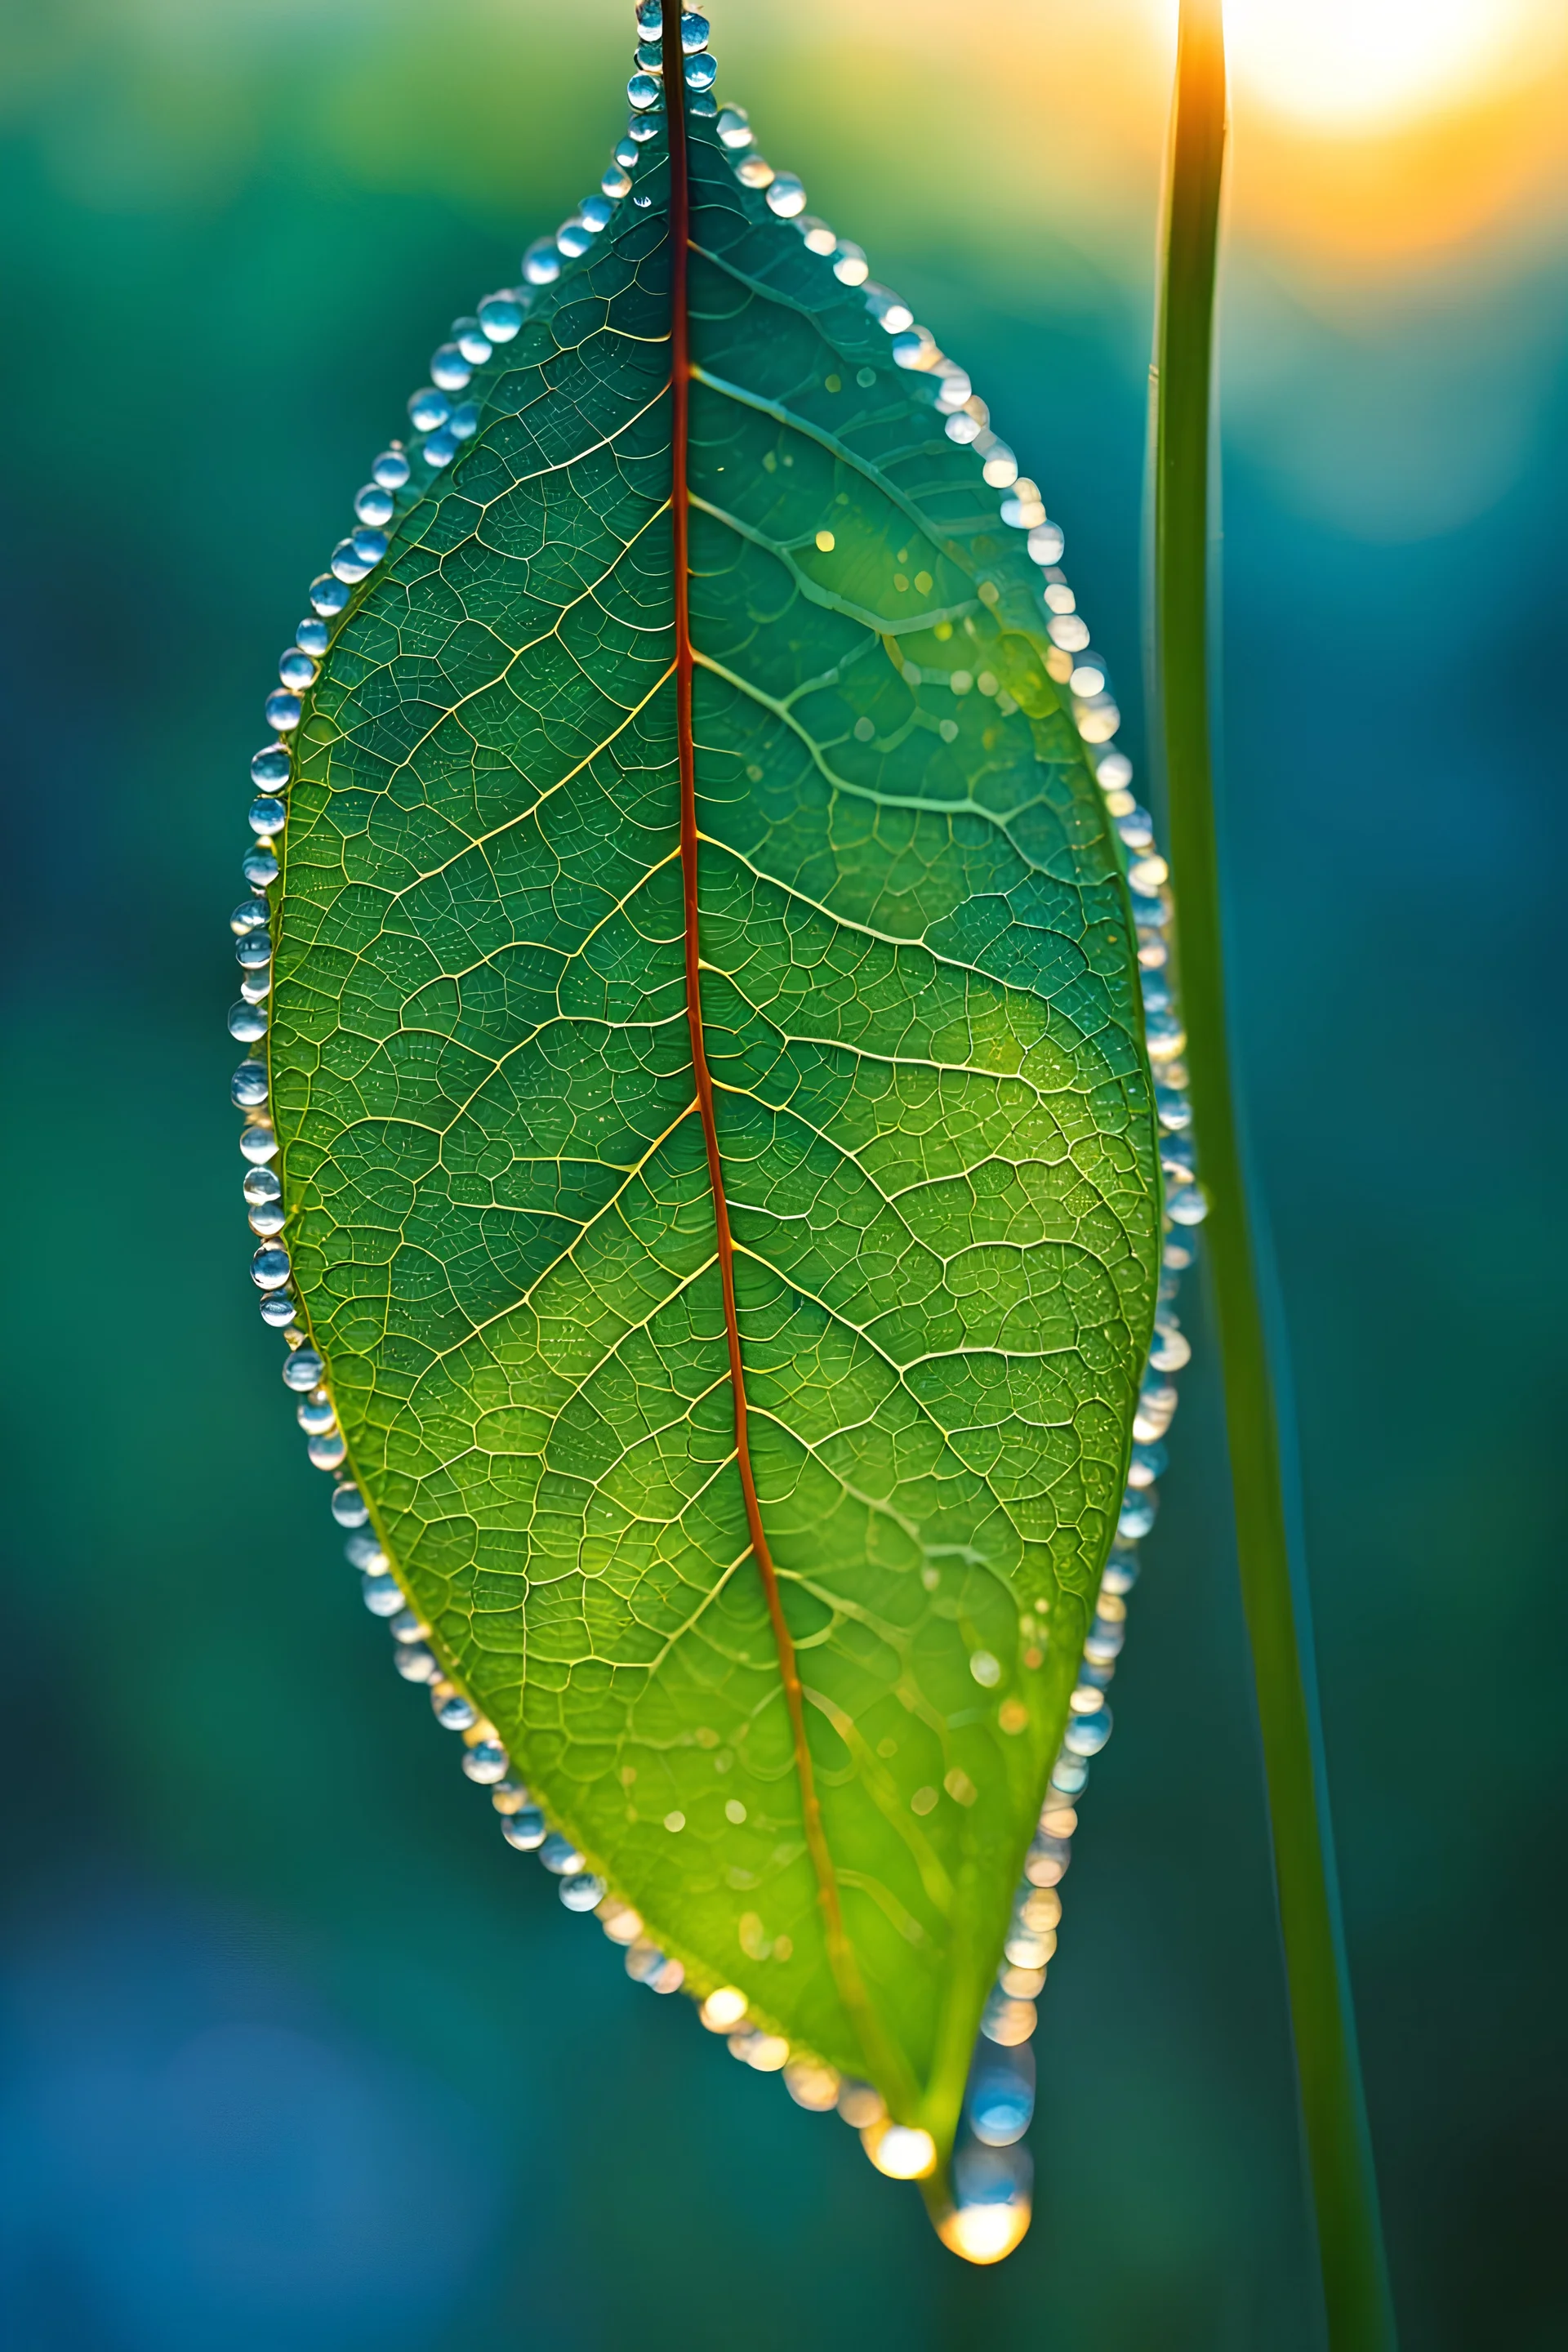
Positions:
{"x": 841, "y": 1955}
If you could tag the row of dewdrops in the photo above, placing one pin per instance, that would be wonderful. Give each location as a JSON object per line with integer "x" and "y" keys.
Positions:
{"x": 1001, "y": 2092}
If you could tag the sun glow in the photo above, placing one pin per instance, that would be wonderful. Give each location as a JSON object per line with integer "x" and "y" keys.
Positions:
{"x": 1351, "y": 65}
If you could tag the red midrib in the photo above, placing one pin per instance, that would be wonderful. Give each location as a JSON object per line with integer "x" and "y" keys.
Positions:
{"x": 846, "y": 1973}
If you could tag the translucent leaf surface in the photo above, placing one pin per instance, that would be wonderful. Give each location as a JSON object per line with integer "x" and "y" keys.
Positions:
{"x": 804, "y": 1729}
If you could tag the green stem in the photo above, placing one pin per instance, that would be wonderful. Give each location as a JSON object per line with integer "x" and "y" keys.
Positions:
{"x": 1339, "y": 2156}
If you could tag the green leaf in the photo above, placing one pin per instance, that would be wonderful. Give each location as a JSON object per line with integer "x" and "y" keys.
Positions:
{"x": 804, "y": 1729}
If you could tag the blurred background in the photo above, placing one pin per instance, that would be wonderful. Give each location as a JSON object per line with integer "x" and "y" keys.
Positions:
{"x": 295, "y": 2052}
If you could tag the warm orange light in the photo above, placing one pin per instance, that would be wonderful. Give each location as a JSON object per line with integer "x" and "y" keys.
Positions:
{"x": 903, "y": 2151}
{"x": 984, "y": 2233}
{"x": 1367, "y": 64}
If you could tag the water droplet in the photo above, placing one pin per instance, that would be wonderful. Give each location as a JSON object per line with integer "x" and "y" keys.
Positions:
{"x": 902, "y": 2151}
{"x": 1135, "y": 1519}
{"x": 864, "y": 730}
{"x": 1001, "y": 467}
{"x": 297, "y": 670}
{"x": 414, "y": 1662}
{"x": 913, "y": 347}
{"x": 735, "y": 128}
{"x": 694, "y": 31}
{"x": 617, "y": 181}
{"x": 985, "y": 1669}
{"x": 500, "y": 317}
{"x": 1105, "y": 1643}
{"x": 1045, "y": 1863}
{"x": 464, "y": 422}
{"x": 303, "y": 1370}
{"x": 260, "y": 868}
{"x": 581, "y": 1891}
{"x": 248, "y": 1087}
{"x": 449, "y": 371}
{"x": 595, "y": 212}
{"x": 816, "y": 237}
{"x": 328, "y": 595}
{"x": 701, "y": 73}
{"x": 558, "y": 1853}
{"x": 472, "y": 341}
{"x": 644, "y": 1960}
{"x": 891, "y": 314}
{"x": 723, "y": 2010}
{"x": 646, "y": 126}
{"x": 860, "y": 2105}
{"x": 428, "y": 410}
{"x": 346, "y": 562}
{"x": 486, "y": 1762}
{"x": 525, "y": 1829}
{"x": 650, "y": 20}
{"x": 257, "y": 1143}
{"x": 268, "y": 817}
{"x": 1121, "y": 1571}
{"x": 787, "y": 195}
{"x": 391, "y": 470}
{"x": 1000, "y": 2097}
{"x": 247, "y": 1025}
{"x": 327, "y": 1451}
{"x": 254, "y": 951}
{"x": 1176, "y": 1153}
{"x": 992, "y": 2180}
{"x": 851, "y": 268}
{"x": 1045, "y": 544}
{"x": 812, "y": 2085}
{"x": 363, "y": 1550}
{"x": 625, "y": 152}
{"x": 1188, "y": 1207}
{"x": 349, "y": 1508}
{"x": 248, "y": 916}
{"x": 651, "y": 57}
{"x": 375, "y": 505}
{"x": 440, "y": 449}
{"x": 1164, "y": 1036}
{"x": 314, "y": 1413}
{"x": 643, "y": 91}
{"x": 270, "y": 766}
{"x": 279, "y": 1310}
{"x": 1086, "y": 1734}
{"x": 283, "y": 710}
{"x": 1007, "y": 2022}
{"x": 266, "y": 1219}
{"x": 573, "y": 237}
{"x": 753, "y": 172}
{"x": 311, "y": 637}
{"x": 452, "y": 1710}
{"x": 269, "y": 1267}
{"x": 380, "y": 1593}
{"x": 766, "y": 2051}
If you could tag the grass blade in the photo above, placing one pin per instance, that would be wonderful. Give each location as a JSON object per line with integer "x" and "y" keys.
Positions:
{"x": 1344, "y": 2190}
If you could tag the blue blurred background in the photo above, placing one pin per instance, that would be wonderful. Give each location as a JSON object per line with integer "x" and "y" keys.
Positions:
{"x": 295, "y": 2052}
